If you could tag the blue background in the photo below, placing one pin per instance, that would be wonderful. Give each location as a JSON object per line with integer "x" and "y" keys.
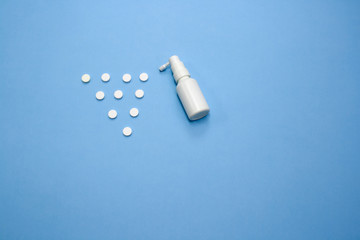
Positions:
{"x": 277, "y": 158}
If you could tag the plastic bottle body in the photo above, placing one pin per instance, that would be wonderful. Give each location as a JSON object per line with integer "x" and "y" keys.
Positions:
{"x": 192, "y": 98}
{"x": 187, "y": 89}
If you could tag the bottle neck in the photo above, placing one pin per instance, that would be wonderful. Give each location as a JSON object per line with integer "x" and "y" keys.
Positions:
{"x": 178, "y": 69}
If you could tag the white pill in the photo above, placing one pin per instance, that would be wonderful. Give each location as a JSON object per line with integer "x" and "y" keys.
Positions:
{"x": 112, "y": 114}
{"x": 134, "y": 112}
{"x": 144, "y": 77}
{"x": 100, "y": 95}
{"x": 118, "y": 94}
{"x": 105, "y": 77}
{"x": 139, "y": 93}
{"x": 127, "y": 131}
{"x": 85, "y": 78}
{"x": 126, "y": 77}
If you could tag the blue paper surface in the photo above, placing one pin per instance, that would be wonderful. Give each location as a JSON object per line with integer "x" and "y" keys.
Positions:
{"x": 277, "y": 158}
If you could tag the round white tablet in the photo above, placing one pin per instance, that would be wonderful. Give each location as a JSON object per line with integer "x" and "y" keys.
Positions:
{"x": 134, "y": 112}
{"x": 126, "y": 77}
{"x": 127, "y": 131}
{"x": 118, "y": 94}
{"x": 112, "y": 114}
{"x": 105, "y": 77}
{"x": 144, "y": 77}
{"x": 85, "y": 78}
{"x": 100, "y": 95}
{"x": 139, "y": 93}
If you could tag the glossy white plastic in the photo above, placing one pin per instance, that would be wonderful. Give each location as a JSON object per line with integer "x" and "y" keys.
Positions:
{"x": 187, "y": 89}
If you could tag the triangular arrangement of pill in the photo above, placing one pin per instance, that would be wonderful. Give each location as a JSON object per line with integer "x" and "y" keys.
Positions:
{"x": 118, "y": 94}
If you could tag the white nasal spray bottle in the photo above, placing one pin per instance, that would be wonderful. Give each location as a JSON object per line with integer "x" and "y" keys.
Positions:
{"x": 187, "y": 89}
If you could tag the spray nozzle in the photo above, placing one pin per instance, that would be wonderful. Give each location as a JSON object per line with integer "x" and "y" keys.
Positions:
{"x": 177, "y": 67}
{"x": 163, "y": 67}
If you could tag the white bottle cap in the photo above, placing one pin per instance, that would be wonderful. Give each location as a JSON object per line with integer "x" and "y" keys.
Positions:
{"x": 178, "y": 68}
